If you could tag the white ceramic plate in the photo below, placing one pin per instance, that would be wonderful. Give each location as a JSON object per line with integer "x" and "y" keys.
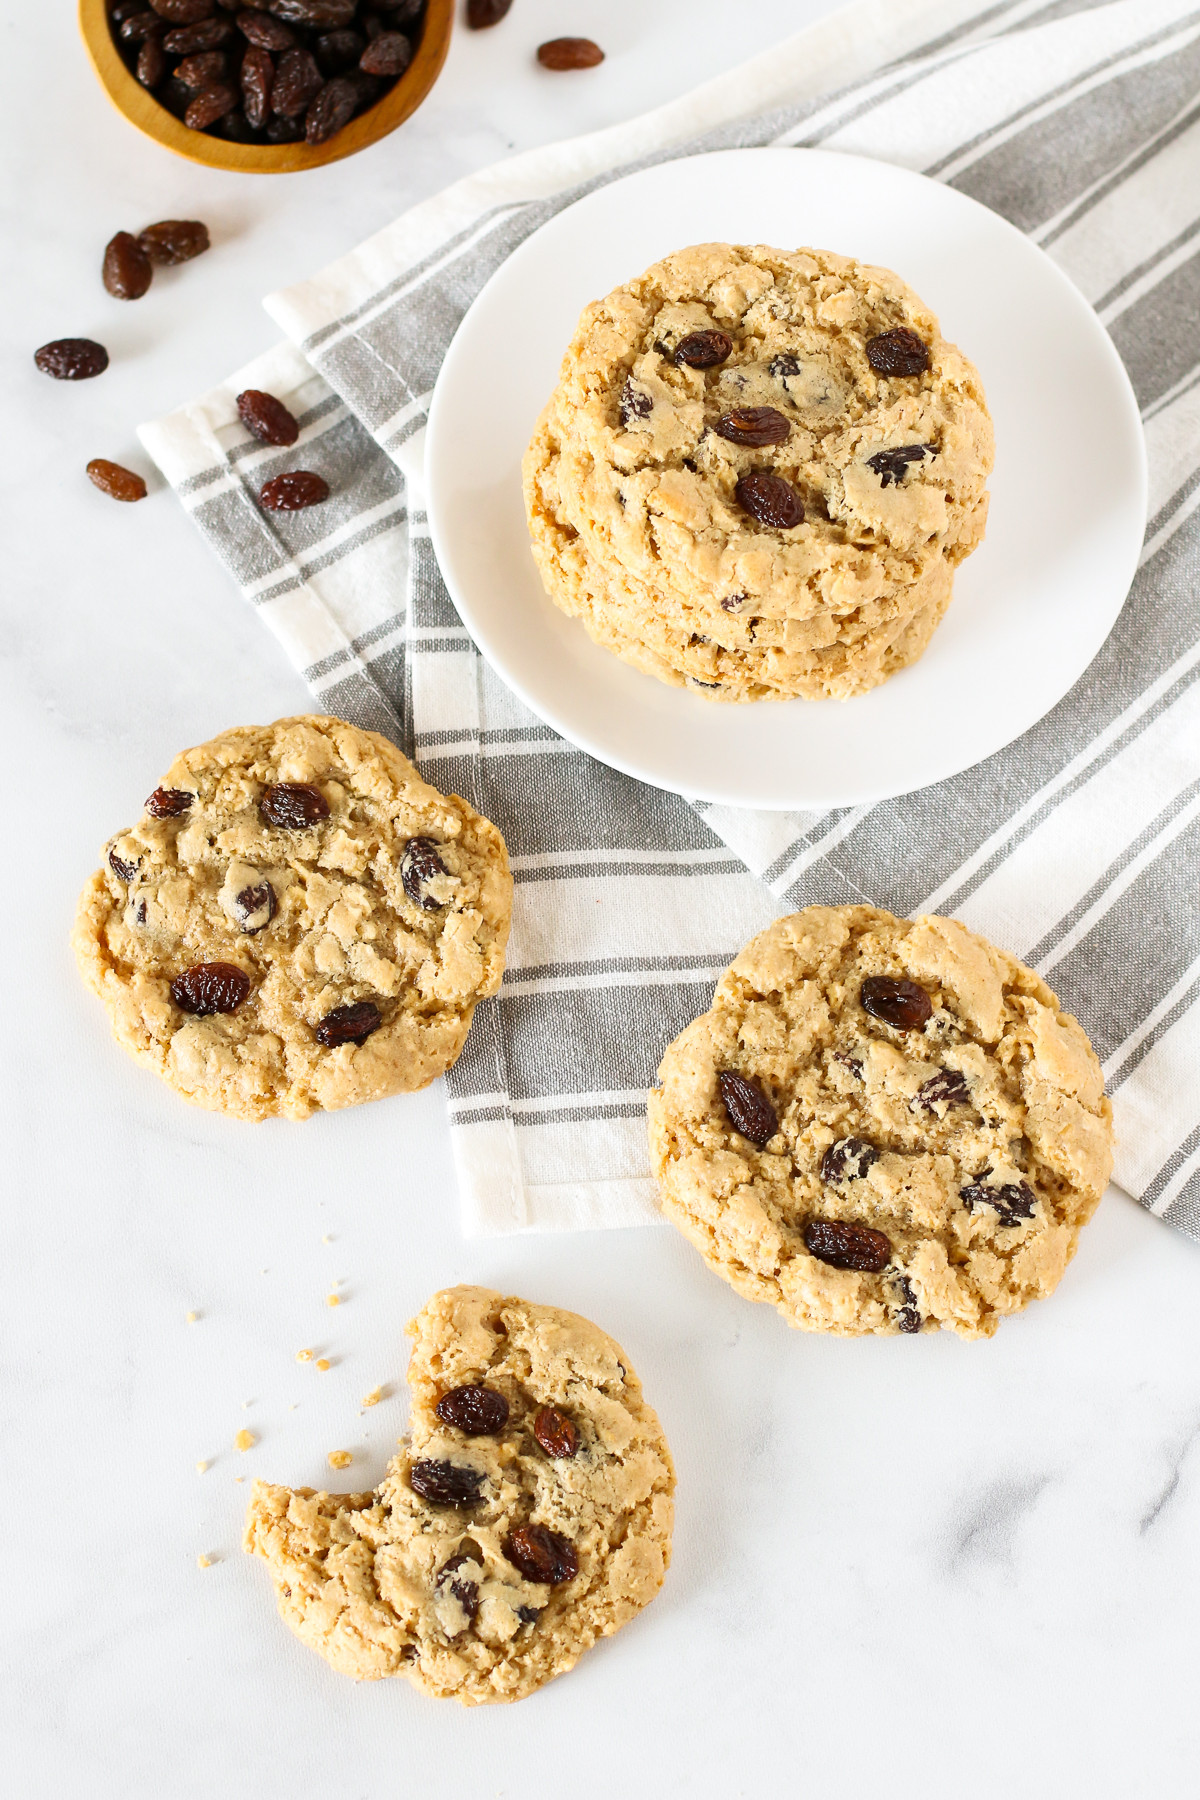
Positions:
{"x": 1032, "y": 606}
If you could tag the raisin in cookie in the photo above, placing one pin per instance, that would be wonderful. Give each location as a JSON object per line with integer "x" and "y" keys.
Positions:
{"x": 528, "y": 1514}
{"x": 882, "y": 1125}
{"x": 297, "y": 921}
{"x": 779, "y": 438}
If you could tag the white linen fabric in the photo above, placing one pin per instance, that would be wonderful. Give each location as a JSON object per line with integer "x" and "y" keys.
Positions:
{"x": 1075, "y": 847}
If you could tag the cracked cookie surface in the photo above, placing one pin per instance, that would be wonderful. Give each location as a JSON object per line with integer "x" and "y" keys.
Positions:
{"x": 298, "y": 921}
{"x": 882, "y": 1125}
{"x": 528, "y": 1515}
{"x": 640, "y": 519}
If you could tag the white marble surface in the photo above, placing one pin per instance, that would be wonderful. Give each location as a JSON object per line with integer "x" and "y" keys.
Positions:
{"x": 912, "y": 1567}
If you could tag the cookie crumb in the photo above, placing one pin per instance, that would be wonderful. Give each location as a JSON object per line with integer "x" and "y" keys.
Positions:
{"x": 205, "y": 1562}
{"x": 328, "y": 1238}
{"x": 245, "y": 1440}
{"x": 340, "y": 1459}
{"x": 333, "y": 1300}
{"x": 304, "y": 1356}
{"x": 201, "y": 1467}
{"x": 374, "y": 1397}
{"x": 192, "y": 1317}
{"x": 323, "y": 1363}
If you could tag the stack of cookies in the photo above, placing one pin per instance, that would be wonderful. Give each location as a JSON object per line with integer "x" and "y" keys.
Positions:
{"x": 758, "y": 473}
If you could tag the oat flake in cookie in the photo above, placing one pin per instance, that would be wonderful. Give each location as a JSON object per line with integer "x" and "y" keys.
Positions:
{"x": 261, "y": 940}
{"x": 528, "y": 1514}
{"x": 882, "y": 1126}
{"x": 758, "y": 473}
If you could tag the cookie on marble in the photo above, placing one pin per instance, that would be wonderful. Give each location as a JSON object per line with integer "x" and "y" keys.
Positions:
{"x": 882, "y": 1125}
{"x": 527, "y": 1515}
{"x": 297, "y": 921}
{"x": 781, "y": 439}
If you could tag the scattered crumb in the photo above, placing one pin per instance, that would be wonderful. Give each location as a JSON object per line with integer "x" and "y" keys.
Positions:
{"x": 334, "y": 1300}
{"x": 201, "y": 1467}
{"x": 328, "y": 1238}
{"x": 374, "y": 1397}
{"x": 242, "y": 1477}
{"x": 323, "y": 1363}
{"x": 304, "y": 1356}
{"x": 204, "y": 1562}
{"x": 245, "y": 1440}
{"x": 192, "y": 1317}
{"x": 340, "y": 1459}
{"x": 246, "y": 1403}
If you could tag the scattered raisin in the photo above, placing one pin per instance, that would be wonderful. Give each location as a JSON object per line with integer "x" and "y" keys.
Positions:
{"x": 555, "y": 1432}
{"x": 72, "y": 359}
{"x": 297, "y": 81}
{"x": 168, "y": 803}
{"x": 116, "y": 482}
{"x": 891, "y": 466}
{"x": 389, "y": 54}
{"x": 257, "y": 78}
{"x": 333, "y": 107}
{"x": 482, "y": 13}
{"x": 172, "y": 241}
{"x": 212, "y": 34}
{"x": 183, "y": 12}
{"x": 570, "y": 53}
{"x": 142, "y": 25}
{"x": 908, "y": 1315}
{"x": 947, "y": 1087}
{"x": 126, "y": 270}
{"x": 418, "y": 867}
{"x": 445, "y": 1483}
{"x": 337, "y": 51}
{"x": 255, "y": 906}
{"x": 210, "y": 987}
{"x": 210, "y": 104}
{"x": 770, "y": 499}
{"x": 204, "y": 70}
{"x": 151, "y": 62}
{"x": 703, "y": 349}
{"x": 327, "y": 13}
{"x": 284, "y": 131}
{"x": 900, "y": 1003}
{"x": 753, "y": 426}
{"x": 475, "y": 1410}
{"x": 848, "y": 1160}
{"x": 351, "y": 1024}
{"x": 124, "y": 871}
{"x": 749, "y": 1110}
{"x": 635, "y": 403}
{"x": 465, "y": 1591}
{"x": 846, "y": 1246}
{"x": 541, "y": 1554}
{"x": 1013, "y": 1202}
{"x": 265, "y": 417}
{"x": 293, "y": 492}
{"x": 293, "y": 805}
{"x": 899, "y": 352}
{"x": 261, "y": 29}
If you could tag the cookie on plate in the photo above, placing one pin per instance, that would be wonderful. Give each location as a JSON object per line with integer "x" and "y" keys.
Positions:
{"x": 882, "y": 1125}
{"x": 528, "y": 1515}
{"x": 762, "y": 467}
{"x": 297, "y": 921}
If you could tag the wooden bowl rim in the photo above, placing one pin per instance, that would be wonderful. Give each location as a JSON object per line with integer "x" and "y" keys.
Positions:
{"x": 138, "y": 105}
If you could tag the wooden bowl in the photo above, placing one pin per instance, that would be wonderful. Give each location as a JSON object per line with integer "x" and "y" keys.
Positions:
{"x": 141, "y": 108}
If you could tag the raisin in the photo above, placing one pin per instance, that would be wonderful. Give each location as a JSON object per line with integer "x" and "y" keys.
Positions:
{"x": 529, "y": 1615}
{"x": 212, "y": 34}
{"x": 733, "y": 602}
{"x": 126, "y": 270}
{"x": 541, "y": 1554}
{"x": 555, "y": 1432}
{"x": 908, "y": 1316}
{"x": 151, "y": 62}
{"x": 72, "y": 359}
{"x": 237, "y": 129}
{"x": 329, "y": 13}
{"x": 389, "y": 54}
{"x": 947, "y": 1088}
{"x": 635, "y": 403}
{"x": 569, "y": 53}
{"x": 848, "y": 1160}
{"x": 337, "y": 51}
{"x": 465, "y": 1591}
{"x": 333, "y": 107}
{"x": 293, "y": 805}
{"x": 846, "y": 1246}
{"x": 284, "y": 131}
{"x": 899, "y": 1003}
{"x": 770, "y": 499}
{"x": 445, "y": 1483}
{"x": 891, "y": 466}
{"x": 783, "y": 366}
{"x": 183, "y": 12}
{"x": 1013, "y": 1202}
{"x": 849, "y": 1062}
{"x": 749, "y": 1110}
{"x": 899, "y": 352}
{"x": 265, "y": 417}
{"x": 172, "y": 241}
{"x": 293, "y": 492}
{"x": 703, "y": 349}
{"x": 254, "y": 906}
{"x": 210, "y": 987}
{"x": 125, "y": 9}
{"x": 142, "y": 25}
{"x": 261, "y": 29}
{"x": 168, "y": 803}
{"x": 297, "y": 81}
{"x": 753, "y": 426}
{"x": 474, "y": 1410}
{"x": 124, "y": 871}
{"x": 210, "y": 104}
{"x": 482, "y": 13}
{"x": 418, "y": 867}
{"x": 351, "y": 1024}
{"x": 257, "y": 76}
{"x": 176, "y": 96}
{"x": 204, "y": 70}
{"x": 116, "y": 482}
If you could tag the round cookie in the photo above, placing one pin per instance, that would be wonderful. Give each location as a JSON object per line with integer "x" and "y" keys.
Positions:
{"x": 725, "y": 367}
{"x": 882, "y": 1126}
{"x": 528, "y": 1515}
{"x": 296, "y": 922}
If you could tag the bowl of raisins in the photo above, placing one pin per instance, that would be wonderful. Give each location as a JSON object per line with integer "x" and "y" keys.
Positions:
{"x": 266, "y": 86}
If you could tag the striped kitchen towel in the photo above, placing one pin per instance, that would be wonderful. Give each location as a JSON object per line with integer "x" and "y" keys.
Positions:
{"x": 1076, "y": 847}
